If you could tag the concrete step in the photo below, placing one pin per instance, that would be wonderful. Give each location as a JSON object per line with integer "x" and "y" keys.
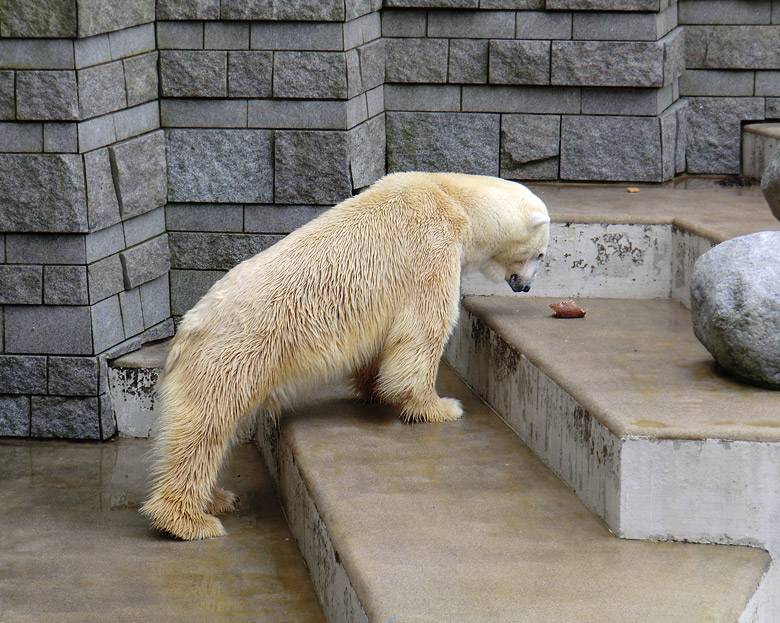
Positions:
{"x": 462, "y": 522}
{"x": 627, "y": 408}
{"x": 759, "y": 144}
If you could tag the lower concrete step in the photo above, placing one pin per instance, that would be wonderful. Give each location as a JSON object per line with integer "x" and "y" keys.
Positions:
{"x": 627, "y": 408}
{"x": 759, "y": 144}
{"x": 462, "y": 522}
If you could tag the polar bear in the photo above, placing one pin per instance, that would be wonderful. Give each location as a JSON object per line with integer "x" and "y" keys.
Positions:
{"x": 368, "y": 290}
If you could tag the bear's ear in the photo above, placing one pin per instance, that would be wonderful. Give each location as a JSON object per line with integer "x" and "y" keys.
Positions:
{"x": 537, "y": 221}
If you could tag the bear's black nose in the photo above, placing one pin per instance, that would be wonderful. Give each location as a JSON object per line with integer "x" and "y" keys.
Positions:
{"x": 517, "y": 284}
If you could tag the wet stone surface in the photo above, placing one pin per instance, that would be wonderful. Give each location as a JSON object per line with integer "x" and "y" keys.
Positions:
{"x": 75, "y": 548}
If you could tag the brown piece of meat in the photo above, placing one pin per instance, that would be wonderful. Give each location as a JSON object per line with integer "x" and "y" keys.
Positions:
{"x": 567, "y": 309}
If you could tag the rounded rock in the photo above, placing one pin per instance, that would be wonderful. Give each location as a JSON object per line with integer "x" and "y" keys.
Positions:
{"x": 770, "y": 184}
{"x": 735, "y": 306}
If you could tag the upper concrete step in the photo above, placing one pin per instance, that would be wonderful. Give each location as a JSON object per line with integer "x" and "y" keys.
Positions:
{"x": 759, "y": 144}
{"x": 461, "y": 522}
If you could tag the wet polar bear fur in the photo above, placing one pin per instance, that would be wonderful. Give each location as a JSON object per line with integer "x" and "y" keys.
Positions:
{"x": 369, "y": 290}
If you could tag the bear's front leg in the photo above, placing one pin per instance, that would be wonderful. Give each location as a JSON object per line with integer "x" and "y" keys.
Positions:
{"x": 407, "y": 377}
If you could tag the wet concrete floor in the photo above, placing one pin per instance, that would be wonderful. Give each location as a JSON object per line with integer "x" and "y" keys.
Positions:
{"x": 73, "y": 547}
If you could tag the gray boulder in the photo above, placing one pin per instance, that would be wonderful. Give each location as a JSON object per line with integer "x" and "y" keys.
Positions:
{"x": 735, "y": 306}
{"x": 770, "y": 184}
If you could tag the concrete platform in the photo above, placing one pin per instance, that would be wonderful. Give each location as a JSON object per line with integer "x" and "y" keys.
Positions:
{"x": 74, "y": 549}
{"x": 461, "y": 522}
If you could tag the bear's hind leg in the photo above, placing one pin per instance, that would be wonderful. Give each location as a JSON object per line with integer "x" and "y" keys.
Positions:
{"x": 222, "y": 501}
{"x": 195, "y": 435}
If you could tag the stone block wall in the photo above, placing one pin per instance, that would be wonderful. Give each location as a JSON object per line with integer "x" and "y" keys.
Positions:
{"x": 84, "y": 257}
{"x": 535, "y": 91}
{"x": 147, "y": 146}
{"x": 733, "y": 76}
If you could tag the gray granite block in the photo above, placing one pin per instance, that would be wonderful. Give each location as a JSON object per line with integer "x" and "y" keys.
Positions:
{"x": 21, "y": 137}
{"x": 468, "y": 61}
{"x": 375, "y": 101}
{"x": 132, "y": 313}
{"x": 422, "y": 97}
{"x": 104, "y": 278}
{"x": 307, "y": 36}
{"x": 141, "y": 78}
{"x": 608, "y": 63}
{"x": 611, "y": 148}
{"x": 200, "y": 113}
{"x": 179, "y": 35}
{"x": 47, "y": 95}
{"x": 37, "y": 53}
{"x": 96, "y": 133}
{"x": 44, "y": 249}
{"x": 73, "y": 376}
{"x": 362, "y": 30}
{"x": 22, "y": 374}
{"x": 298, "y": 114}
{"x": 141, "y": 158}
{"x": 21, "y": 285}
{"x": 464, "y": 142}
{"x": 367, "y": 146}
{"x": 135, "y": 121}
{"x": 108, "y": 428}
{"x": 102, "y": 203}
{"x": 189, "y": 286}
{"x": 155, "y": 301}
{"x": 357, "y": 110}
{"x": 714, "y": 132}
{"x": 438, "y": 4}
{"x": 250, "y": 74}
{"x": 416, "y": 60}
{"x": 107, "y": 329}
{"x": 310, "y": 75}
{"x": 95, "y": 16}
{"x": 225, "y": 217}
{"x": 44, "y": 329}
{"x": 311, "y": 167}
{"x": 145, "y": 261}
{"x": 215, "y": 251}
{"x": 101, "y": 89}
{"x": 60, "y": 137}
{"x": 193, "y": 73}
{"x": 608, "y": 5}
{"x": 14, "y": 416}
{"x": 519, "y": 62}
{"x": 104, "y": 242}
{"x": 724, "y": 12}
{"x": 543, "y": 25}
{"x": 474, "y": 24}
{"x": 42, "y": 193}
{"x": 131, "y": 41}
{"x": 303, "y": 10}
{"x": 669, "y": 134}
{"x": 767, "y": 83}
{"x": 716, "y": 82}
{"x": 226, "y": 36}
{"x": 65, "y": 285}
{"x": 92, "y": 51}
{"x": 7, "y": 95}
{"x": 732, "y": 47}
{"x": 626, "y": 101}
{"x": 623, "y": 26}
{"x": 62, "y": 417}
{"x": 403, "y": 23}
{"x": 187, "y": 9}
{"x": 232, "y": 166}
{"x": 372, "y": 63}
{"x": 354, "y": 79}
{"x": 511, "y": 4}
{"x": 42, "y": 18}
{"x": 144, "y": 226}
{"x": 277, "y": 219}
{"x": 548, "y": 100}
